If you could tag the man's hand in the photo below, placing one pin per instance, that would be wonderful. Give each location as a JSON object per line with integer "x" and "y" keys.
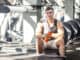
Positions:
{"x": 46, "y": 37}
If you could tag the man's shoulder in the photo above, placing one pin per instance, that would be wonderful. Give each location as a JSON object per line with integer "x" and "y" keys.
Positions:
{"x": 43, "y": 19}
{"x": 40, "y": 24}
{"x": 58, "y": 21}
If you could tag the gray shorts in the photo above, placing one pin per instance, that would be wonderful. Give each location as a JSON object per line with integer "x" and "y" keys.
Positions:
{"x": 51, "y": 44}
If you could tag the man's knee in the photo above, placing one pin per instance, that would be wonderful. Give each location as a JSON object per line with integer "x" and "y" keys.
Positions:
{"x": 60, "y": 42}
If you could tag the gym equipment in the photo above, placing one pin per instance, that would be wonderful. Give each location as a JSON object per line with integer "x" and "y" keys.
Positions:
{"x": 4, "y": 9}
{"x": 67, "y": 31}
{"x": 75, "y": 28}
{"x": 77, "y": 21}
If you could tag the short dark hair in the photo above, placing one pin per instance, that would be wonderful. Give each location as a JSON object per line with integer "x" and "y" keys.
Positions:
{"x": 49, "y": 8}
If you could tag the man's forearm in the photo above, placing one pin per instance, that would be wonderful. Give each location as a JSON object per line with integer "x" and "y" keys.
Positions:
{"x": 56, "y": 35}
{"x": 59, "y": 38}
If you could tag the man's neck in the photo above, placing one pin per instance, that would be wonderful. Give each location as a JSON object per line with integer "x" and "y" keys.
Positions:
{"x": 50, "y": 20}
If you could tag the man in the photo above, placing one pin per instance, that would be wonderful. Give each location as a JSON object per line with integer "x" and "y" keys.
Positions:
{"x": 56, "y": 38}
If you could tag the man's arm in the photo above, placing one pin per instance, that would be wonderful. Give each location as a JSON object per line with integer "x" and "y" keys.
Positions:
{"x": 39, "y": 42}
{"x": 60, "y": 31}
{"x": 39, "y": 30}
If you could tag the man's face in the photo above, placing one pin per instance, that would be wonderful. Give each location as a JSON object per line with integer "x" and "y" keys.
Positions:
{"x": 49, "y": 13}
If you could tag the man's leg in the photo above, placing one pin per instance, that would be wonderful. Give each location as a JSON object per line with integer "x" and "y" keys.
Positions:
{"x": 39, "y": 46}
{"x": 60, "y": 44}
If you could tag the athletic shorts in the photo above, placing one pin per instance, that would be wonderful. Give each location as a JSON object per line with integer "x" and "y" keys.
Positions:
{"x": 51, "y": 44}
